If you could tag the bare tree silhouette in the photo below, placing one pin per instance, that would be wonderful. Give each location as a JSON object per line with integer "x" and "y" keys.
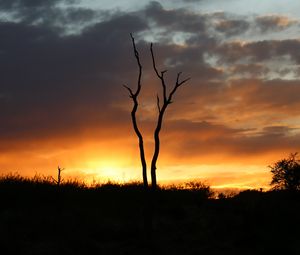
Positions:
{"x": 166, "y": 101}
{"x": 59, "y": 179}
{"x": 134, "y": 97}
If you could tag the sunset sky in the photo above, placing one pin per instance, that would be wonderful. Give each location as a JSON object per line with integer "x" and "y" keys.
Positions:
{"x": 62, "y": 102}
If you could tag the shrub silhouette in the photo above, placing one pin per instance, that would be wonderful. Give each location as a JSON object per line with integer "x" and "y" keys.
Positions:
{"x": 38, "y": 217}
{"x": 286, "y": 173}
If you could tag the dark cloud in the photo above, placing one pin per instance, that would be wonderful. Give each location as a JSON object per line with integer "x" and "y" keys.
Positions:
{"x": 193, "y": 31}
{"x": 12, "y": 4}
{"x": 273, "y": 23}
{"x": 259, "y": 51}
{"x": 232, "y": 27}
{"x": 191, "y": 60}
{"x": 277, "y": 130}
{"x": 246, "y": 103}
{"x": 283, "y": 94}
{"x": 253, "y": 70}
{"x": 175, "y": 19}
{"x": 54, "y": 84}
{"x": 204, "y": 140}
{"x": 61, "y": 15}
{"x": 210, "y": 130}
{"x": 265, "y": 94}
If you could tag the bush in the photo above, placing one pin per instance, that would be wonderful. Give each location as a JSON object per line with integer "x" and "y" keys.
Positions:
{"x": 286, "y": 173}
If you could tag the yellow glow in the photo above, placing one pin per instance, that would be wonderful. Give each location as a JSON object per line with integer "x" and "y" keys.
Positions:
{"x": 110, "y": 170}
{"x": 105, "y": 168}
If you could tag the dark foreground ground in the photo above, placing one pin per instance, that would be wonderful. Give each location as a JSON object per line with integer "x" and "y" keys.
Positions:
{"x": 37, "y": 217}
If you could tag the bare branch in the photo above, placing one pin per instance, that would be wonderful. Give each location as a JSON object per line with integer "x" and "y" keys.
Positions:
{"x": 177, "y": 85}
{"x": 61, "y": 169}
{"x": 137, "y": 56}
{"x": 184, "y": 81}
{"x": 160, "y": 76}
{"x": 153, "y": 61}
{"x": 178, "y": 77}
{"x": 130, "y": 91}
{"x": 136, "y": 53}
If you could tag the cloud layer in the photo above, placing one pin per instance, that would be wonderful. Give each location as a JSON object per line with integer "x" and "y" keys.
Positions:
{"x": 63, "y": 67}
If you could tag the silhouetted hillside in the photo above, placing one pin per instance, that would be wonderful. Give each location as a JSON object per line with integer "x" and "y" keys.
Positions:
{"x": 39, "y": 217}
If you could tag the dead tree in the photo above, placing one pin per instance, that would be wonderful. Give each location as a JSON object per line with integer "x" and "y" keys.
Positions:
{"x": 134, "y": 97}
{"x": 59, "y": 179}
{"x": 166, "y": 100}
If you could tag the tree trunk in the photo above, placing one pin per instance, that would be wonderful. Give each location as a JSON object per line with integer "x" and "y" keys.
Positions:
{"x": 141, "y": 144}
{"x": 156, "y": 147}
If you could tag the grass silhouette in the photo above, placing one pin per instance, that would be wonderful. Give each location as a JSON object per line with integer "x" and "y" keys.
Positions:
{"x": 39, "y": 217}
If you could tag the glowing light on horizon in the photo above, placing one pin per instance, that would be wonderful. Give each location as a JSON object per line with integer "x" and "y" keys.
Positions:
{"x": 110, "y": 170}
